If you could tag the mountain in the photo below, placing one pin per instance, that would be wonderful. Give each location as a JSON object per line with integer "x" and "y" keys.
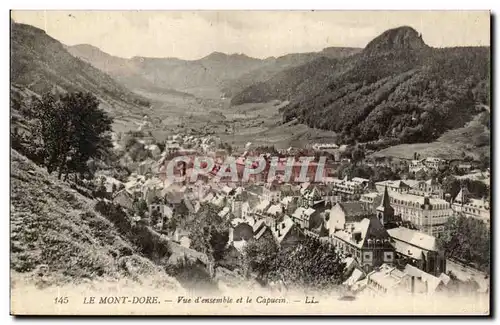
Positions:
{"x": 402, "y": 38}
{"x": 226, "y": 73}
{"x": 41, "y": 64}
{"x": 397, "y": 87}
{"x": 168, "y": 74}
{"x": 272, "y": 66}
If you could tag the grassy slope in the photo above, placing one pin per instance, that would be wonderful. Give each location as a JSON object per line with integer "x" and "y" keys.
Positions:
{"x": 58, "y": 238}
{"x": 468, "y": 139}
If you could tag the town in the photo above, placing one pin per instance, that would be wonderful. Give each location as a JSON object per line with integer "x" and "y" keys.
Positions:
{"x": 388, "y": 232}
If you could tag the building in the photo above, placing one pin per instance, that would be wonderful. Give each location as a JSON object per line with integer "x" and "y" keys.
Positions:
{"x": 430, "y": 188}
{"x": 301, "y": 216}
{"x": 367, "y": 241}
{"x": 427, "y": 214}
{"x": 287, "y": 233}
{"x": 372, "y": 198}
{"x": 162, "y": 209}
{"x": 470, "y": 207}
{"x": 261, "y": 231}
{"x": 124, "y": 198}
{"x": 271, "y": 192}
{"x": 346, "y": 189}
{"x": 393, "y": 186}
{"x": 324, "y": 146}
{"x": 384, "y": 211}
{"x": 434, "y": 162}
{"x": 344, "y": 214}
{"x": 393, "y": 281}
{"x": 418, "y": 249}
{"x": 416, "y": 165}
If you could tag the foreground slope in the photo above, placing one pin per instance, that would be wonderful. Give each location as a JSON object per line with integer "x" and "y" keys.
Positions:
{"x": 57, "y": 237}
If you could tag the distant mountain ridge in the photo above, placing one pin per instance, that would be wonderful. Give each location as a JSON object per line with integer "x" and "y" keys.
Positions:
{"x": 228, "y": 73}
{"x": 167, "y": 74}
{"x": 41, "y": 64}
{"x": 396, "y": 87}
{"x": 272, "y": 66}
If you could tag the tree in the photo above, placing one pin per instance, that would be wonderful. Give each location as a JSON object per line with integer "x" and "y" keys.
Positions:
{"x": 73, "y": 130}
{"x": 260, "y": 256}
{"x": 357, "y": 155}
{"x": 141, "y": 207}
{"x": 468, "y": 240}
{"x": 311, "y": 264}
{"x": 208, "y": 231}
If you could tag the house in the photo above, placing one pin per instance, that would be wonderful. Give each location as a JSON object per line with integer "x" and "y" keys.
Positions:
{"x": 470, "y": 207}
{"x": 426, "y": 283}
{"x": 224, "y": 213}
{"x": 344, "y": 214}
{"x": 301, "y": 216}
{"x": 416, "y": 165}
{"x": 124, "y": 198}
{"x": 393, "y": 186}
{"x": 287, "y": 233}
{"x": 430, "y": 188}
{"x": 324, "y": 146}
{"x": 372, "y": 198}
{"x": 151, "y": 189}
{"x": 271, "y": 192}
{"x": 421, "y": 173}
{"x": 434, "y": 162}
{"x": 345, "y": 188}
{"x": 261, "y": 231}
{"x": 418, "y": 249}
{"x": 145, "y": 166}
{"x": 314, "y": 194}
{"x": 366, "y": 240}
{"x": 393, "y": 281}
{"x": 465, "y": 168}
{"x": 155, "y": 150}
{"x": 290, "y": 203}
{"x": 163, "y": 210}
{"x": 262, "y": 207}
{"x": 361, "y": 181}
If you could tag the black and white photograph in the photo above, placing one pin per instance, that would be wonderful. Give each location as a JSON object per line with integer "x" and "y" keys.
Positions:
{"x": 216, "y": 162}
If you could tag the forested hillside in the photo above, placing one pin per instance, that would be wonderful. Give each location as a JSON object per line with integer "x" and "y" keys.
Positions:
{"x": 397, "y": 87}
{"x": 272, "y": 66}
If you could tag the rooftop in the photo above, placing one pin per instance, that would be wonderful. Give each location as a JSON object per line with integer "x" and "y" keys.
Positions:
{"x": 415, "y": 238}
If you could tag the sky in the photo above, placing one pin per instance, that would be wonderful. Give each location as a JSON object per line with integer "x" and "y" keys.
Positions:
{"x": 194, "y": 34}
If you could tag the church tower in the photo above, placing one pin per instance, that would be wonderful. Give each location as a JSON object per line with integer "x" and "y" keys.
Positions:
{"x": 385, "y": 213}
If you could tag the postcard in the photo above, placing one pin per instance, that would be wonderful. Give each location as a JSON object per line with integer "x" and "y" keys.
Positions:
{"x": 250, "y": 162}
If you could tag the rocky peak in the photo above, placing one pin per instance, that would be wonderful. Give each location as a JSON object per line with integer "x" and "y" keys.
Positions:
{"x": 400, "y": 38}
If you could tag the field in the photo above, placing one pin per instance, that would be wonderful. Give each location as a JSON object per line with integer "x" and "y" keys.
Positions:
{"x": 258, "y": 123}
